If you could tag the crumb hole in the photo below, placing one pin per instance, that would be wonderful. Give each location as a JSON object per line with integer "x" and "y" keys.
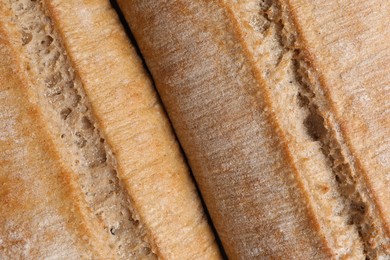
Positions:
{"x": 65, "y": 113}
{"x": 80, "y": 142}
{"x": 360, "y": 207}
{"x": 86, "y": 123}
{"x": 112, "y": 231}
{"x": 101, "y": 156}
{"x": 47, "y": 41}
{"x": 315, "y": 126}
{"x": 302, "y": 100}
{"x": 53, "y": 80}
{"x": 75, "y": 100}
{"x": 26, "y": 37}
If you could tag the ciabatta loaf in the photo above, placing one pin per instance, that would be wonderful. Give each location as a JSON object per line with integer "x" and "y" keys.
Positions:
{"x": 89, "y": 165}
{"x": 282, "y": 110}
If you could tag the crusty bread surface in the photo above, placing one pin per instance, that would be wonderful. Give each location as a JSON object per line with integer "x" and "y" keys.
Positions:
{"x": 39, "y": 198}
{"x": 90, "y": 167}
{"x": 282, "y": 110}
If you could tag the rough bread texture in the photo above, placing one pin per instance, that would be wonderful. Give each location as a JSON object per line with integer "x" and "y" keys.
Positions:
{"x": 277, "y": 165}
{"x": 311, "y": 128}
{"x": 69, "y": 118}
{"x": 349, "y": 51}
{"x": 39, "y": 197}
{"x": 107, "y": 128}
{"x": 149, "y": 161}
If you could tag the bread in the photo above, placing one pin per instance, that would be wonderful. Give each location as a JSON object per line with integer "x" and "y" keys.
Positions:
{"x": 89, "y": 165}
{"x": 282, "y": 110}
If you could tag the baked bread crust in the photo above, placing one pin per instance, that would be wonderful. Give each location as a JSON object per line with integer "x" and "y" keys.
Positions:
{"x": 349, "y": 46}
{"x": 35, "y": 186}
{"x": 241, "y": 85}
{"x": 126, "y": 185}
{"x": 129, "y": 113}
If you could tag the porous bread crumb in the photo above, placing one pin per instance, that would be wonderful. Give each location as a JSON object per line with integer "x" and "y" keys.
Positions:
{"x": 341, "y": 201}
{"x": 60, "y": 95}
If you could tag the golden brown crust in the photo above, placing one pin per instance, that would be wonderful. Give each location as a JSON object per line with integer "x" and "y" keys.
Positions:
{"x": 102, "y": 94}
{"x": 355, "y": 84}
{"x": 219, "y": 111}
{"x": 34, "y": 184}
{"x": 270, "y": 21}
{"x": 104, "y": 206}
{"x": 149, "y": 161}
{"x": 347, "y": 49}
{"x": 234, "y": 73}
{"x": 275, "y": 124}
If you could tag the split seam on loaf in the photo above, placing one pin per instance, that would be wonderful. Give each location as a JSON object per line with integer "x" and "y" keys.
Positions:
{"x": 61, "y": 97}
{"x": 287, "y": 63}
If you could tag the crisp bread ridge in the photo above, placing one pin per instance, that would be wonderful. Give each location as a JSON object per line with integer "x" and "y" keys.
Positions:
{"x": 358, "y": 210}
{"x": 359, "y": 205}
{"x": 273, "y": 60}
{"x": 314, "y": 122}
{"x": 67, "y": 111}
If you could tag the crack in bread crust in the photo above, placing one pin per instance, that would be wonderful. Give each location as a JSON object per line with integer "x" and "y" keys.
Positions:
{"x": 60, "y": 94}
{"x": 323, "y": 128}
